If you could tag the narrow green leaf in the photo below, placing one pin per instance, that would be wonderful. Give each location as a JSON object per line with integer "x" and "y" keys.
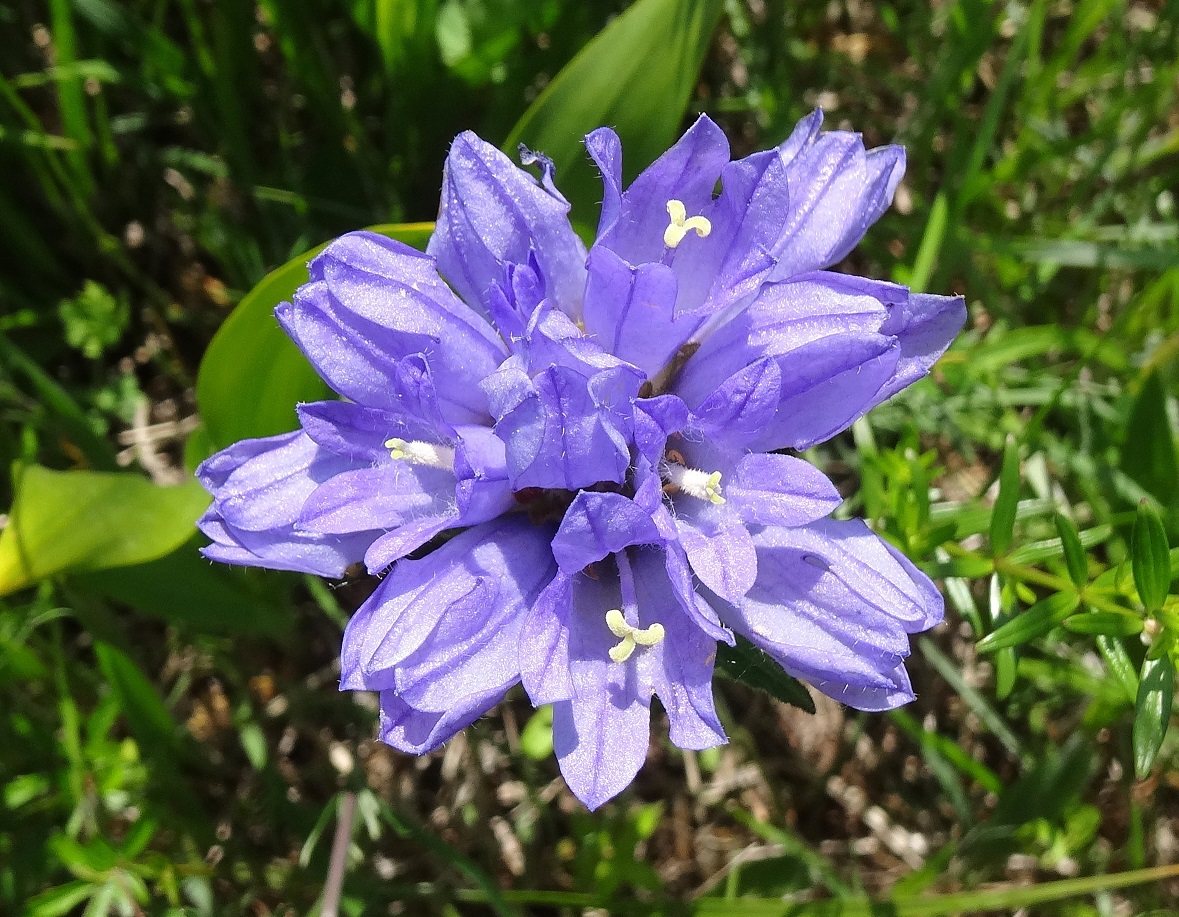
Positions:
{"x": 1006, "y": 669}
{"x": 1003, "y": 516}
{"x": 1037, "y": 620}
{"x": 745, "y": 662}
{"x": 1152, "y": 711}
{"x": 254, "y": 744}
{"x": 1105, "y": 622}
{"x": 1005, "y": 899}
{"x": 252, "y": 375}
{"x": 1149, "y": 557}
{"x": 146, "y": 714}
{"x": 1074, "y": 551}
{"x": 1120, "y": 665}
{"x": 931, "y": 243}
{"x": 75, "y": 521}
{"x": 1149, "y": 455}
{"x": 56, "y": 902}
{"x": 951, "y": 672}
{"x": 637, "y": 76}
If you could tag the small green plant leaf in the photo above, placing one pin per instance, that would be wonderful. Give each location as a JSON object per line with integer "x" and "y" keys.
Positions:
{"x": 1003, "y": 517}
{"x": 1120, "y": 664}
{"x": 1149, "y": 558}
{"x": 253, "y": 375}
{"x": 76, "y": 521}
{"x": 1037, "y": 620}
{"x": 536, "y": 739}
{"x": 745, "y": 662}
{"x": 1105, "y": 622}
{"x": 1152, "y": 711}
{"x": 1074, "y": 551}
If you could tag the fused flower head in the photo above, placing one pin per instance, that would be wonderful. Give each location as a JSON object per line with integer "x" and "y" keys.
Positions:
{"x": 606, "y": 433}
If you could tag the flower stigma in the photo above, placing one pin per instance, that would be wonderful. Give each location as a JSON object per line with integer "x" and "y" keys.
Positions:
{"x": 630, "y": 636}
{"x": 417, "y": 452}
{"x": 702, "y": 485}
{"x": 681, "y": 224}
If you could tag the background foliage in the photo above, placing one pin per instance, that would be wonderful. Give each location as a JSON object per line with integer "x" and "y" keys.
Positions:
{"x": 172, "y": 738}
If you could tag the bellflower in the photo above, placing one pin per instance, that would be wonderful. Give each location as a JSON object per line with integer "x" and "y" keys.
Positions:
{"x": 609, "y": 431}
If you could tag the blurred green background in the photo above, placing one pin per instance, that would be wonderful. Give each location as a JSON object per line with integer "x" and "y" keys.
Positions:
{"x": 171, "y": 737}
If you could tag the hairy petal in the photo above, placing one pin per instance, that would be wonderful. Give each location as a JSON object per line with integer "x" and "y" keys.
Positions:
{"x": 633, "y": 222}
{"x": 447, "y": 627}
{"x": 837, "y": 190}
{"x": 632, "y": 310}
{"x": 493, "y": 212}
{"x": 833, "y": 606}
{"x": 417, "y": 732}
{"x": 259, "y": 488}
{"x": 780, "y": 490}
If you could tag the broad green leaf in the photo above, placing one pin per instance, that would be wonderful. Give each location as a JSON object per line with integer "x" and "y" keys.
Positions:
{"x": 1152, "y": 711}
{"x": 185, "y": 589}
{"x": 1149, "y": 558}
{"x": 1003, "y": 517}
{"x": 745, "y": 662}
{"x": 1074, "y": 552}
{"x": 1037, "y": 620}
{"x": 75, "y": 521}
{"x": 252, "y": 375}
{"x": 636, "y": 76}
{"x": 1149, "y": 456}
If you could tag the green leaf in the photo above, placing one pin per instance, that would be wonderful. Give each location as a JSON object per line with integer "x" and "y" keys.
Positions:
{"x": 1149, "y": 455}
{"x": 185, "y": 589}
{"x": 74, "y": 521}
{"x": 1003, "y": 517}
{"x": 1074, "y": 551}
{"x": 1105, "y": 622}
{"x": 254, "y": 744}
{"x": 1149, "y": 557}
{"x": 536, "y": 738}
{"x": 637, "y": 76}
{"x": 253, "y": 375}
{"x": 1037, "y": 620}
{"x": 745, "y": 662}
{"x": 1152, "y": 711}
{"x": 1120, "y": 666}
{"x": 149, "y": 719}
{"x": 56, "y": 902}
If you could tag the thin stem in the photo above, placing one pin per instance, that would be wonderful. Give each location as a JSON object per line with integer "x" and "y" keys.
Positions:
{"x": 339, "y": 862}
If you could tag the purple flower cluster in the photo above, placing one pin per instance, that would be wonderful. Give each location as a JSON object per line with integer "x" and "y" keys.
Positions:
{"x": 602, "y": 433}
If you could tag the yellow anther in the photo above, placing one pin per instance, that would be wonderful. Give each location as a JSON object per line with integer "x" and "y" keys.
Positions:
{"x": 622, "y": 651}
{"x": 629, "y": 636}
{"x": 419, "y": 453}
{"x": 702, "y": 485}
{"x": 681, "y": 224}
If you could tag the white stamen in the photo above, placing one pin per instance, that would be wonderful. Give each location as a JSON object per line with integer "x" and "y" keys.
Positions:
{"x": 630, "y": 636}
{"x": 417, "y": 452}
{"x": 681, "y": 224}
{"x": 702, "y": 485}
